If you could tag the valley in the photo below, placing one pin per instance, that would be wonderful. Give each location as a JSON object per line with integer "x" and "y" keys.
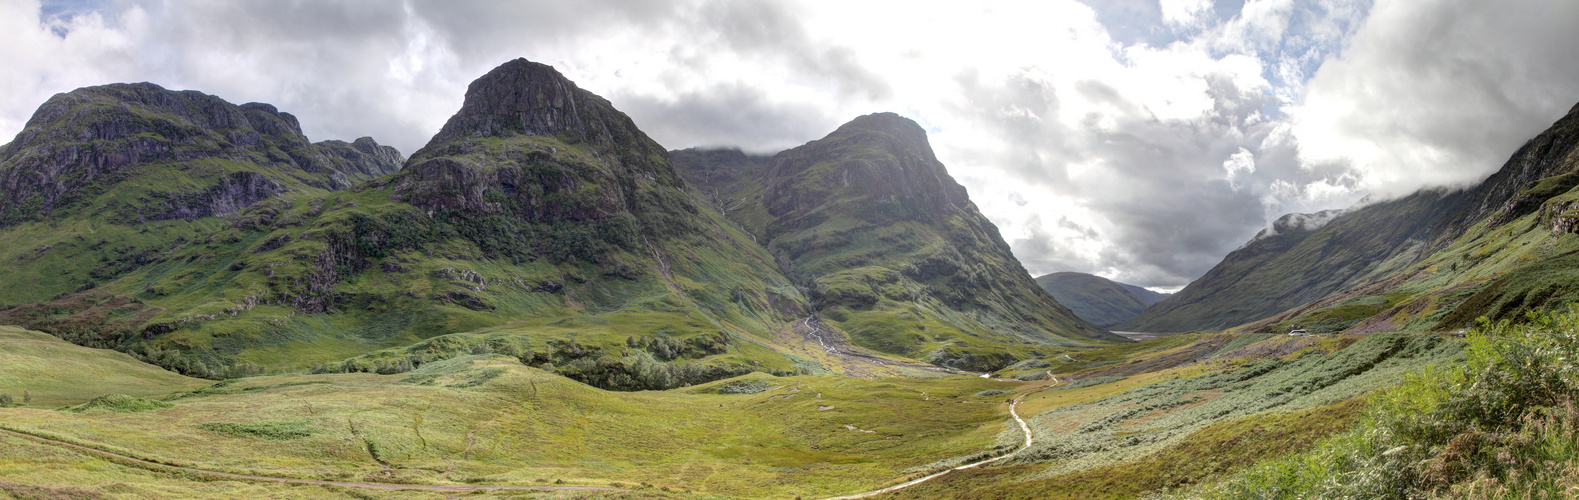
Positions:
{"x": 543, "y": 302}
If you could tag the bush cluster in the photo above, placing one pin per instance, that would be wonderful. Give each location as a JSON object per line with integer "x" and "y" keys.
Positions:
{"x": 668, "y": 348}
{"x": 1501, "y": 425}
{"x": 637, "y": 369}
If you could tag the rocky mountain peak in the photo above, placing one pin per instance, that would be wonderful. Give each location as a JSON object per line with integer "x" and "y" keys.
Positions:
{"x": 883, "y": 158}
{"x": 268, "y": 119}
{"x": 530, "y": 144}
{"x": 900, "y": 132}
{"x": 522, "y": 97}
{"x": 82, "y": 143}
{"x": 517, "y": 87}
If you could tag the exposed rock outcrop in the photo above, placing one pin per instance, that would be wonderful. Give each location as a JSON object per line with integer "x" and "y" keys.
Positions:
{"x": 84, "y": 143}
{"x": 886, "y": 159}
{"x": 529, "y": 144}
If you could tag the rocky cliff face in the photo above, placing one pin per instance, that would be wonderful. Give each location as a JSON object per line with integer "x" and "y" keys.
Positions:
{"x": 529, "y": 144}
{"x": 729, "y": 180}
{"x": 885, "y": 158}
{"x": 84, "y": 143}
{"x": 719, "y": 171}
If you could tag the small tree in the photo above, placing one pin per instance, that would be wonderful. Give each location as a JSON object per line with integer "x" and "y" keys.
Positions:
{"x": 5, "y": 400}
{"x": 27, "y": 397}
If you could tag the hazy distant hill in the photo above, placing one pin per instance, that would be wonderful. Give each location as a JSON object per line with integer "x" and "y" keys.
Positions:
{"x": 1097, "y": 299}
{"x": 1145, "y": 295}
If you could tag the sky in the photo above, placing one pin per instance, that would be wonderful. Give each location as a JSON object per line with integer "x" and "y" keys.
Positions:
{"x": 1139, "y": 140}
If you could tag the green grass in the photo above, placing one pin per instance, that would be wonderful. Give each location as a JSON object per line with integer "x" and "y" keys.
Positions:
{"x": 224, "y": 300}
{"x": 56, "y": 373}
{"x": 1210, "y": 453}
{"x": 1499, "y": 425}
{"x": 519, "y": 425}
{"x": 1184, "y": 423}
{"x": 35, "y": 470}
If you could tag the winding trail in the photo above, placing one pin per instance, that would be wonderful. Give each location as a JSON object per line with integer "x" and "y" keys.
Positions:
{"x": 1013, "y": 411}
{"x": 290, "y": 480}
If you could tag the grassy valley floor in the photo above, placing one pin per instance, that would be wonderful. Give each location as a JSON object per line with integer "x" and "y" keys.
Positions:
{"x": 1121, "y": 422}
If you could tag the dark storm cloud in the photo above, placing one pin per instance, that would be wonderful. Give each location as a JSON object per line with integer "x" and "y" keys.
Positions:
{"x": 771, "y": 29}
{"x": 478, "y": 31}
{"x": 1159, "y": 183}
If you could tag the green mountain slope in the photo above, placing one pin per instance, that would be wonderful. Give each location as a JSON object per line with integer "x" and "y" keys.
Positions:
{"x": 1094, "y": 298}
{"x": 1409, "y": 263}
{"x": 104, "y": 179}
{"x": 890, "y": 248}
{"x": 54, "y": 372}
{"x": 731, "y": 181}
{"x": 539, "y": 212}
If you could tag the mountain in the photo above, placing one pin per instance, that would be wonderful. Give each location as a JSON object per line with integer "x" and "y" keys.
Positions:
{"x": 142, "y": 153}
{"x": 731, "y": 181}
{"x": 1144, "y": 294}
{"x": 1097, "y": 299}
{"x": 104, "y": 179}
{"x": 539, "y": 221}
{"x": 215, "y": 240}
{"x": 1436, "y": 259}
{"x": 890, "y": 248}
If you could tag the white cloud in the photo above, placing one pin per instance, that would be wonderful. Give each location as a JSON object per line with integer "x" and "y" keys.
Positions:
{"x": 1186, "y": 13}
{"x": 1440, "y": 92}
{"x": 1240, "y": 163}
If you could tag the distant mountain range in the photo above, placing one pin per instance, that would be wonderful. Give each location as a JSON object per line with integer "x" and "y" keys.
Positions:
{"x": 1097, "y": 299}
{"x": 215, "y": 239}
{"x": 1434, "y": 260}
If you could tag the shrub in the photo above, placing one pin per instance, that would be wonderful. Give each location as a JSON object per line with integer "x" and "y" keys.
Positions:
{"x": 277, "y": 431}
{"x": 745, "y": 387}
{"x": 1088, "y": 382}
{"x": 1500, "y": 425}
{"x": 992, "y": 392}
{"x": 120, "y": 403}
{"x": 6, "y": 401}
